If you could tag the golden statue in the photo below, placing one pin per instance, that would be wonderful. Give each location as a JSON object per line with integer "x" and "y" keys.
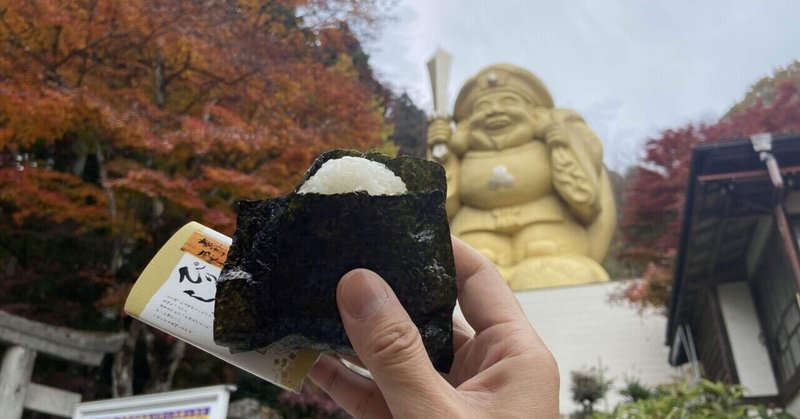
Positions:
{"x": 526, "y": 182}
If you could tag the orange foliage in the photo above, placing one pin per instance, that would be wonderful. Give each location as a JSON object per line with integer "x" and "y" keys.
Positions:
{"x": 124, "y": 119}
{"x": 37, "y": 195}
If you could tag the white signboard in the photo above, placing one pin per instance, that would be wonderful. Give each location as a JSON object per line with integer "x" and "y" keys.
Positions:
{"x": 199, "y": 403}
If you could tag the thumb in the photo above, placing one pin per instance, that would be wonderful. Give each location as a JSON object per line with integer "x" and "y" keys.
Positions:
{"x": 388, "y": 343}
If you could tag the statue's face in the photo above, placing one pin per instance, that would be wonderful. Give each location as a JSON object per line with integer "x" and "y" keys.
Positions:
{"x": 505, "y": 119}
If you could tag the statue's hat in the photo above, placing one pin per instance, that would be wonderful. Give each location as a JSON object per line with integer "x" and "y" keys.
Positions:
{"x": 501, "y": 77}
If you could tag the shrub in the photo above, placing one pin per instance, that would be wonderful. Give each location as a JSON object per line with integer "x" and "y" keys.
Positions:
{"x": 705, "y": 399}
{"x": 588, "y": 386}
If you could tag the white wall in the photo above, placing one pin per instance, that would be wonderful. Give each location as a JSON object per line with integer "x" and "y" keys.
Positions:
{"x": 583, "y": 329}
{"x": 744, "y": 333}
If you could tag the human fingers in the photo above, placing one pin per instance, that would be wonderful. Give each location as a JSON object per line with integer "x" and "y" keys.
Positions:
{"x": 483, "y": 295}
{"x": 353, "y": 360}
{"x": 357, "y": 395}
{"x": 389, "y": 345}
{"x": 462, "y": 332}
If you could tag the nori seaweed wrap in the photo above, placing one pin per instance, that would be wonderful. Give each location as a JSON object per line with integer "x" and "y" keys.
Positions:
{"x": 278, "y": 286}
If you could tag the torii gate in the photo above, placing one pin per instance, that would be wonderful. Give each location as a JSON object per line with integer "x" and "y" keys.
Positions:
{"x": 27, "y": 338}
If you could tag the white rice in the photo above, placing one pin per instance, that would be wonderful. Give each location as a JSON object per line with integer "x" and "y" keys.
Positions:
{"x": 351, "y": 174}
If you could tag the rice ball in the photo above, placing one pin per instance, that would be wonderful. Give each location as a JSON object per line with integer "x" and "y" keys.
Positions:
{"x": 351, "y": 174}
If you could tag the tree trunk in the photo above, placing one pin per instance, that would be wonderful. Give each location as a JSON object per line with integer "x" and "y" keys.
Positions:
{"x": 159, "y": 84}
{"x": 163, "y": 359}
{"x": 82, "y": 153}
{"x": 103, "y": 175}
{"x": 122, "y": 370}
{"x": 116, "y": 252}
{"x": 11, "y": 266}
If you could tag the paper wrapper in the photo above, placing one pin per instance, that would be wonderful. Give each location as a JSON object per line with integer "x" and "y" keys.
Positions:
{"x": 175, "y": 294}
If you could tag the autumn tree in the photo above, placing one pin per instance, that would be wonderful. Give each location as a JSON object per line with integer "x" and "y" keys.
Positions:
{"x": 122, "y": 120}
{"x": 407, "y": 122}
{"x": 653, "y": 209}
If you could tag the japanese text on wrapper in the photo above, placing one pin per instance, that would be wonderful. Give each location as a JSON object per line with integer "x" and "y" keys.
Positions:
{"x": 206, "y": 248}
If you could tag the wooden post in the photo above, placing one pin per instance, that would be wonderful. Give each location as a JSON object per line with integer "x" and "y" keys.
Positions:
{"x": 15, "y": 376}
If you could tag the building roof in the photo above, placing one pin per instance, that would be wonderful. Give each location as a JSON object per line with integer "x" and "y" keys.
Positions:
{"x": 728, "y": 192}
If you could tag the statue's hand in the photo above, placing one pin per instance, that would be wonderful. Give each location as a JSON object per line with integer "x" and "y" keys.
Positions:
{"x": 555, "y": 130}
{"x": 544, "y": 121}
{"x": 439, "y": 152}
{"x": 555, "y": 135}
{"x": 438, "y": 138}
{"x": 438, "y": 131}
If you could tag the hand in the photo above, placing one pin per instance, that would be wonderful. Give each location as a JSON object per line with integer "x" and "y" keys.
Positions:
{"x": 501, "y": 370}
{"x": 439, "y": 152}
{"x": 555, "y": 135}
{"x": 439, "y": 131}
{"x": 553, "y": 128}
{"x": 544, "y": 120}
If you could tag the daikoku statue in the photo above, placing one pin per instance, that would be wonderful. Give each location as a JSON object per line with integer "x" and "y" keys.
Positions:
{"x": 526, "y": 181}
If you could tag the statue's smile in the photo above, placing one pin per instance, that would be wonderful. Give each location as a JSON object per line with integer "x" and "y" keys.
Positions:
{"x": 497, "y": 123}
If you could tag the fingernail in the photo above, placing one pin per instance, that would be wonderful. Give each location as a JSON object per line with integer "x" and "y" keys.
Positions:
{"x": 362, "y": 293}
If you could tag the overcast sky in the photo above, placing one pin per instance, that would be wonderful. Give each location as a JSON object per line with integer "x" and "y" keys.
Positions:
{"x": 631, "y": 67}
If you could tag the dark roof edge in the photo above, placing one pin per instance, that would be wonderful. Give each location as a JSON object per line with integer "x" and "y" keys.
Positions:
{"x": 697, "y": 152}
{"x": 779, "y": 140}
